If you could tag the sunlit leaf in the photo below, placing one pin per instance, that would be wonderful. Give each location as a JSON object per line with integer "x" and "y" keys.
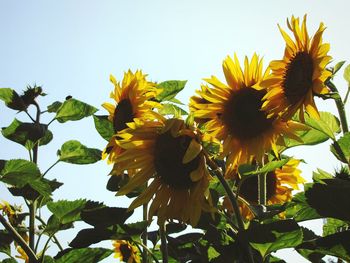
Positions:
{"x": 341, "y": 148}
{"x": 338, "y": 66}
{"x": 54, "y": 106}
{"x": 300, "y": 210}
{"x": 73, "y": 110}
{"x": 330, "y": 198}
{"x": 20, "y": 173}
{"x": 347, "y": 74}
{"x": 246, "y": 169}
{"x": 84, "y": 255}
{"x": 327, "y": 124}
{"x": 332, "y": 226}
{"x": 67, "y": 211}
{"x": 172, "y": 109}
{"x": 170, "y": 89}
{"x": 335, "y": 245}
{"x": 54, "y": 225}
{"x": 320, "y": 175}
{"x": 267, "y": 238}
{"x": 74, "y": 152}
{"x": 212, "y": 253}
{"x": 12, "y": 99}
{"x": 104, "y": 127}
{"x": 27, "y": 134}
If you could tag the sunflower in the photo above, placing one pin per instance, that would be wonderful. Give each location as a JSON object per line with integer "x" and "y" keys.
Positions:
{"x": 233, "y": 113}
{"x": 169, "y": 154}
{"x": 126, "y": 252}
{"x": 279, "y": 186}
{"x": 134, "y": 98}
{"x": 300, "y": 75}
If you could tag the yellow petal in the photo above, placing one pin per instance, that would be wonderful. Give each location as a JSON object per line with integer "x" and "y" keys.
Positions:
{"x": 192, "y": 151}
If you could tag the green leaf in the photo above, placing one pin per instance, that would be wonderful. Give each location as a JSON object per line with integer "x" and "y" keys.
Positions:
{"x": 341, "y": 148}
{"x": 246, "y": 169}
{"x": 332, "y": 226}
{"x": 73, "y": 110}
{"x": 212, "y": 253}
{"x": 87, "y": 237}
{"x": 267, "y": 238}
{"x": 320, "y": 175}
{"x": 54, "y": 106}
{"x": 327, "y": 124}
{"x": 27, "y": 134}
{"x": 5, "y": 242}
{"x": 300, "y": 210}
{"x": 104, "y": 127}
{"x": 170, "y": 89}
{"x": 330, "y": 198}
{"x": 337, "y": 67}
{"x": 309, "y": 137}
{"x": 12, "y": 99}
{"x": 105, "y": 216}
{"x": 335, "y": 245}
{"x": 67, "y": 211}
{"x": 126, "y": 231}
{"x": 347, "y": 74}
{"x": 309, "y": 254}
{"x": 172, "y": 109}
{"x": 54, "y": 225}
{"x": 174, "y": 100}
{"x": 9, "y": 260}
{"x": 22, "y": 173}
{"x": 74, "y": 152}
{"x": 84, "y": 255}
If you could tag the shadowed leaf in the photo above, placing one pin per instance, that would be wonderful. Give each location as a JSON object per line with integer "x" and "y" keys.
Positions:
{"x": 73, "y": 110}
{"x": 104, "y": 127}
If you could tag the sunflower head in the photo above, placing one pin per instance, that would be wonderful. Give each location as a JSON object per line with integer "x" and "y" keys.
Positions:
{"x": 300, "y": 75}
{"x": 232, "y": 112}
{"x": 134, "y": 99}
{"x": 170, "y": 155}
{"x": 126, "y": 252}
{"x": 279, "y": 186}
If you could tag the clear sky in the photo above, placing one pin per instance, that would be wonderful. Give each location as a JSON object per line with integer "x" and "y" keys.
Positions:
{"x": 71, "y": 47}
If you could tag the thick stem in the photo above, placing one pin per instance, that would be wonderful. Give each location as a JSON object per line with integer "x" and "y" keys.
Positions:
{"x": 145, "y": 234}
{"x": 163, "y": 245}
{"x": 33, "y": 205}
{"x": 262, "y": 189}
{"x": 19, "y": 240}
{"x": 215, "y": 168}
{"x": 340, "y": 106}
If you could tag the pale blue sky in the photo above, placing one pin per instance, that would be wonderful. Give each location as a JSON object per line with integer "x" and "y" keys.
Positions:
{"x": 71, "y": 47}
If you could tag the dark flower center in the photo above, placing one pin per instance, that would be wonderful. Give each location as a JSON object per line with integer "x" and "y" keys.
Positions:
{"x": 249, "y": 187}
{"x": 298, "y": 77}
{"x": 123, "y": 114}
{"x": 125, "y": 251}
{"x": 243, "y": 115}
{"x": 169, "y": 152}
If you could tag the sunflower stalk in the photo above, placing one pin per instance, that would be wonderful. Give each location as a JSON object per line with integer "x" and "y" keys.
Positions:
{"x": 33, "y": 204}
{"x": 262, "y": 189}
{"x": 216, "y": 170}
{"x": 30, "y": 253}
{"x": 163, "y": 245}
{"x": 340, "y": 106}
{"x": 145, "y": 235}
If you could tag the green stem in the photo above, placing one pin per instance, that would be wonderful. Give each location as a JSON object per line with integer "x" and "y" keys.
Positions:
{"x": 148, "y": 251}
{"x": 346, "y": 96}
{"x": 215, "y": 168}
{"x": 145, "y": 234}
{"x": 163, "y": 245}
{"x": 30, "y": 253}
{"x": 33, "y": 205}
{"x": 50, "y": 168}
{"x": 262, "y": 189}
{"x": 340, "y": 106}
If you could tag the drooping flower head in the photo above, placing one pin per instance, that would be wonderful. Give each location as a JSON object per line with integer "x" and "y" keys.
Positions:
{"x": 169, "y": 155}
{"x": 233, "y": 113}
{"x": 134, "y": 99}
{"x": 126, "y": 252}
{"x": 279, "y": 186}
{"x": 300, "y": 75}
